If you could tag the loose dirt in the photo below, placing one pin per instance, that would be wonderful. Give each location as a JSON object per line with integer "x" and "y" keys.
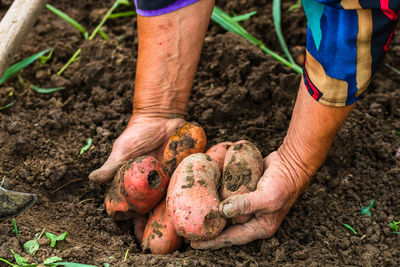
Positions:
{"x": 238, "y": 93}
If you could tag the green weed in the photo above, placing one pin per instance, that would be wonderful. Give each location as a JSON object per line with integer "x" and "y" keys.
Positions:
{"x": 87, "y": 146}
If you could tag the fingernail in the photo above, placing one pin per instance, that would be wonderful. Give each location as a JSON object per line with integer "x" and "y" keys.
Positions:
{"x": 227, "y": 209}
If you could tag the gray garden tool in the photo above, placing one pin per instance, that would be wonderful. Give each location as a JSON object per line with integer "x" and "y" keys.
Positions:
{"x": 12, "y": 203}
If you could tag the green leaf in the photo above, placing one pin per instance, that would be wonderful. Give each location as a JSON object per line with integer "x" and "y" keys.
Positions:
{"x": 122, "y": 14}
{"x": 54, "y": 238}
{"x": 51, "y": 260}
{"x": 105, "y": 264}
{"x": 367, "y": 210}
{"x": 88, "y": 145}
{"x": 68, "y": 19}
{"x": 394, "y": 227}
{"x": 73, "y": 264}
{"x": 244, "y": 16}
{"x": 43, "y": 59}
{"x": 7, "y": 262}
{"x": 45, "y": 90}
{"x": 31, "y": 246}
{"x": 15, "y": 230}
{"x": 276, "y": 15}
{"x": 8, "y": 105}
{"x": 295, "y": 6}
{"x": 226, "y": 22}
{"x": 351, "y": 228}
{"x": 21, "y": 261}
{"x": 14, "y": 69}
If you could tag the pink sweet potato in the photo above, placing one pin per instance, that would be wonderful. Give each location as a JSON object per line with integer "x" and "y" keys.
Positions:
{"x": 138, "y": 187}
{"x": 192, "y": 198}
{"x": 217, "y": 153}
{"x": 243, "y": 167}
{"x": 159, "y": 235}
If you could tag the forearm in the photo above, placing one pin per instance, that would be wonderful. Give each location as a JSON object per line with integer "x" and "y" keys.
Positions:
{"x": 169, "y": 51}
{"x": 311, "y": 132}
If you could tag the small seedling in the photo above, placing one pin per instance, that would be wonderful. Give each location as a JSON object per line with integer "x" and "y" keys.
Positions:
{"x": 43, "y": 59}
{"x": 295, "y": 6}
{"x": 394, "y": 227}
{"x": 122, "y": 14}
{"x": 126, "y": 255}
{"x": 88, "y": 145}
{"x": 276, "y": 16}
{"x": 94, "y": 33}
{"x": 15, "y": 227}
{"x": 393, "y": 69}
{"x": 226, "y": 22}
{"x": 21, "y": 261}
{"x": 32, "y": 246}
{"x": 243, "y": 17}
{"x": 54, "y": 238}
{"x": 351, "y": 228}
{"x": 45, "y": 90}
{"x": 367, "y": 210}
{"x": 14, "y": 69}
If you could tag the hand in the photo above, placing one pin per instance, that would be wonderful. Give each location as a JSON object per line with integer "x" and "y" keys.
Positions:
{"x": 276, "y": 192}
{"x": 143, "y": 136}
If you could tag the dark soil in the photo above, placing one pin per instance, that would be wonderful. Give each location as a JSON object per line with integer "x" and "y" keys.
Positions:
{"x": 239, "y": 93}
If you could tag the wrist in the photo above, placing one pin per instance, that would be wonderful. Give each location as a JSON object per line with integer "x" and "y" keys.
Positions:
{"x": 161, "y": 102}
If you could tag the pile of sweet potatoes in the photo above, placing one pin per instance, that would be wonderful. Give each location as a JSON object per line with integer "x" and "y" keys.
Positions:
{"x": 194, "y": 184}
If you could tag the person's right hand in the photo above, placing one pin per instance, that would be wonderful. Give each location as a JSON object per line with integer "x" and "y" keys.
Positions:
{"x": 143, "y": 136}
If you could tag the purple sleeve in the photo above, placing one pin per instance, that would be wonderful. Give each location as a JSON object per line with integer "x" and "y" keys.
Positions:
{"x": 163, "y": 10}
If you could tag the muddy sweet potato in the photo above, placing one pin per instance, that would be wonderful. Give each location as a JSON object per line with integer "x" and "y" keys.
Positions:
{"x": 243, "y": 167}
{"x": 192, "y": 198}
{"x": 159, "y": 235}
{"x": 138, "y": 187}
{"x": 116, "y": 205}
{"x": 217, "y": 153}
{"x": 188, "y": 139}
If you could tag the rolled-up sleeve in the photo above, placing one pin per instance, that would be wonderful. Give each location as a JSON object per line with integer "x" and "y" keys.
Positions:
{"x": 346, "y": 42}
{"x": 151, "y": 8}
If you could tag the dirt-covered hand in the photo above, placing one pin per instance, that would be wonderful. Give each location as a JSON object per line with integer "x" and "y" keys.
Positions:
{"x": 276, "y": 192}
{"x": 143, "y": 136}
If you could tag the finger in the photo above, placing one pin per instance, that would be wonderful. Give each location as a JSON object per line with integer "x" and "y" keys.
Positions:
{"x": 106, "y": 172}
{"x": 239, "y": 234}
{"x": 244, "y": 204}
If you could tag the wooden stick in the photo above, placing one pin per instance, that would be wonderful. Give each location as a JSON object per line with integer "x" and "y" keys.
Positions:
{"x": 15, "y": 26}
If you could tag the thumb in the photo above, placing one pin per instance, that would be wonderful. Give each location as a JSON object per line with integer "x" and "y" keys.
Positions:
{"x": 106, "y": 172}
{"x": 244, "y": 204}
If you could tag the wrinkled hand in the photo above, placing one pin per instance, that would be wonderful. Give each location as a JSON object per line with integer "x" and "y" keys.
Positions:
{"x": 143, "y": 136}
{"x": 276, "y": 192}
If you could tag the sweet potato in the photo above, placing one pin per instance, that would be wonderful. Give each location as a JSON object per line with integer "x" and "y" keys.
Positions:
{"x": 188, "y": 139}
{"x": 159, "y": 235}
{"x": 138, "y": 187}
{"x": 192, "y": 198}
{"x": 243, "y": 167}
{"x": 217, "y": 153}
{"x": 116, "y": 205}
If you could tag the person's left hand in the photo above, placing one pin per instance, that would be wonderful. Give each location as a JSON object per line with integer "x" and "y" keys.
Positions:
{"x": 276, "y": 192}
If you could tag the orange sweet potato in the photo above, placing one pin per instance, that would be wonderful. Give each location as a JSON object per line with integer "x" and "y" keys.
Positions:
{"x": 243, "y": 167}
{"x": 159, "y": 235}
{"x": 217, "y": 153}
{"x": 116, "y": 205}
{"x": 192, "y": 198}
{"x": 188, "y": 139}
{"x": 138, "y": 187}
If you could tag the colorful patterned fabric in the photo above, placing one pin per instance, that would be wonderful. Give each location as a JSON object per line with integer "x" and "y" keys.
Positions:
{"x": 346, "y": 42}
